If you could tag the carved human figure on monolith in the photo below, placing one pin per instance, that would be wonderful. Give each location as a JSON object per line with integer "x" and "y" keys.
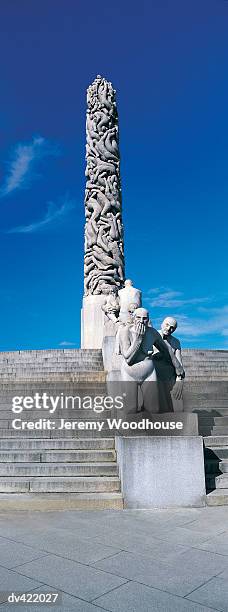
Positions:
{"x": 111, "y": 307}
{"x": 136, "y": 343}
{"x": 170, "y": 384}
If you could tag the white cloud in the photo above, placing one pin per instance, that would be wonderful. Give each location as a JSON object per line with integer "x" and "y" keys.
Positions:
{"x": 21, "y": 167}
{"x": 66, "y": 343}
{"x": 54, "y": 213}
{"x": 193, "y": 327}
{"x": 195, "y": 319}
{"x": 172, "y": 299}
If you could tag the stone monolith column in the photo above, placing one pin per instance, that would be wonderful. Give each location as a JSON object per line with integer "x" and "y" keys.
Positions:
{"x": 104, "y": 249}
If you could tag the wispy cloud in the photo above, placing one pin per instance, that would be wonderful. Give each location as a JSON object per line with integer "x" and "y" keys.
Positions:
{"x": 197, "y": 317}
{"x": 55, "y": 212}
{"x": 172, "y": 299}
{"x": 215, "y": 324}
{"x": 66, "y": 343}
{"x": 190, "y": 326}
{"x": 24, "y": 158}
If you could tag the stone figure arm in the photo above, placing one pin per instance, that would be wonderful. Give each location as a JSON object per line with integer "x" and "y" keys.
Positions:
{"x": 179, "y": 356}
{"x": 127, "y": 348}
{"x": 167, "y": 352}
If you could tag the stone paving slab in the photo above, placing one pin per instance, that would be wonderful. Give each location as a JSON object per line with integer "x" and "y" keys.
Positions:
{"x": 12, "y": 581}
{"x": 178, "y": 581}
{"x": 143, "y": 543}
{"x": 63, "y": 543}
{"x": 134, "y": 597}
{"x": 68, "y": 603}
{"x": 71, "y": 577}
{"x": 120, "y": 561}
{"x": 213, "y": 594}
{"x": 218, "y": 544}
{"x": 15, "y": 553}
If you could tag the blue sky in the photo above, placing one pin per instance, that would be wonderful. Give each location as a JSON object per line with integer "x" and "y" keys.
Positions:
{"x": 168, "y": 61}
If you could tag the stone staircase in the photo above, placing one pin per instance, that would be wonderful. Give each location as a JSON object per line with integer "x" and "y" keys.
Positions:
{"x": 77, "y": 469}
{"x": 206, "y": 392}
{"x": 206, "y": 388}
{"x": 208, "y": 365}
{"x": 69, "y": 365}
{"x": 216, "y": 469}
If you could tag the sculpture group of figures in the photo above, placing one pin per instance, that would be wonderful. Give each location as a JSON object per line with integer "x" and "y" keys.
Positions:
{"x": 104, "y": 254}
{"x": 148, "y": 356}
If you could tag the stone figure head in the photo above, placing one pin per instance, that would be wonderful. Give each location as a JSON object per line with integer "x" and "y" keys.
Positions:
{"x": 113, "y": 290}
{"x": 141, "y": 320}
{"x": 168, "y": 326}
{"x": 131, "y": 308}
{"x": 131, "y": 311}
{"x": 128, "y": 283}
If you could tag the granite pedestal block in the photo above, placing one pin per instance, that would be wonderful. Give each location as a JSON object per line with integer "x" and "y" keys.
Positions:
{"x": 161, "y": 472}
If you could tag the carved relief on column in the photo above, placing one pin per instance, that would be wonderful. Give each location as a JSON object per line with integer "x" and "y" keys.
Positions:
{"x": 104, "y": 248}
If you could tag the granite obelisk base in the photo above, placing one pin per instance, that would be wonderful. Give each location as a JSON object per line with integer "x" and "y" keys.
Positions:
{"x": 92, "y": 322}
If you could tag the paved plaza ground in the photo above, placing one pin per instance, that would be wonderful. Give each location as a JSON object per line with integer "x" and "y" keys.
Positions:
{"x": 133, "y": 561}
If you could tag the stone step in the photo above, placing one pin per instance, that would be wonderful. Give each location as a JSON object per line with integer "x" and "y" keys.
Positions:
{"x": 81, "y": 358}
{"x": 221, "y": 420}
{"x": 17, "y": 434}
{"x": 209, "y": 412}
{"x": 204, "y": 359}
{"x": 55, "y": 433}
{"x": 11, "y": 502}
{"x": 58, "y": 469}
{"x": 57, "y": 456}
{"x": 213, "y": 376}
{"x": 223, "y": 465}
{"x": 67, "y": 414}
{"x": 96, "y": 376}
{"x": 209, "y": 380}
{"x": 194, "y": 364}
{"x": 200, "y": 365}
{"x": 52, "y": 353}
{"x": 91, "y": 425}
{"x": 99, "y": 389}
{"x": 50, "y": 359}
{"x": 219, "y": 430}
{"x": 38, "y": 373}
{"x": 210, "y": 441}
{"x": 60, "y": 444}
{"x": 93, "y": 484}
{"x": 7, "y": 426}
{"x": 205, "y": 387}
{"x": 52, "y": 367}
{"x": 222, "y": 481}
{"x": 202, "y": 351}
{"x": 218, "y": 497}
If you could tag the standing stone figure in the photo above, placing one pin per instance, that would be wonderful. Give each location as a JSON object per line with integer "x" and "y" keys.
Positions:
{"x": 170, "y": 383}
{"x": 104, "y": 250}
{"x": 130, "y": 299}
{"x": 136, "y": 343}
